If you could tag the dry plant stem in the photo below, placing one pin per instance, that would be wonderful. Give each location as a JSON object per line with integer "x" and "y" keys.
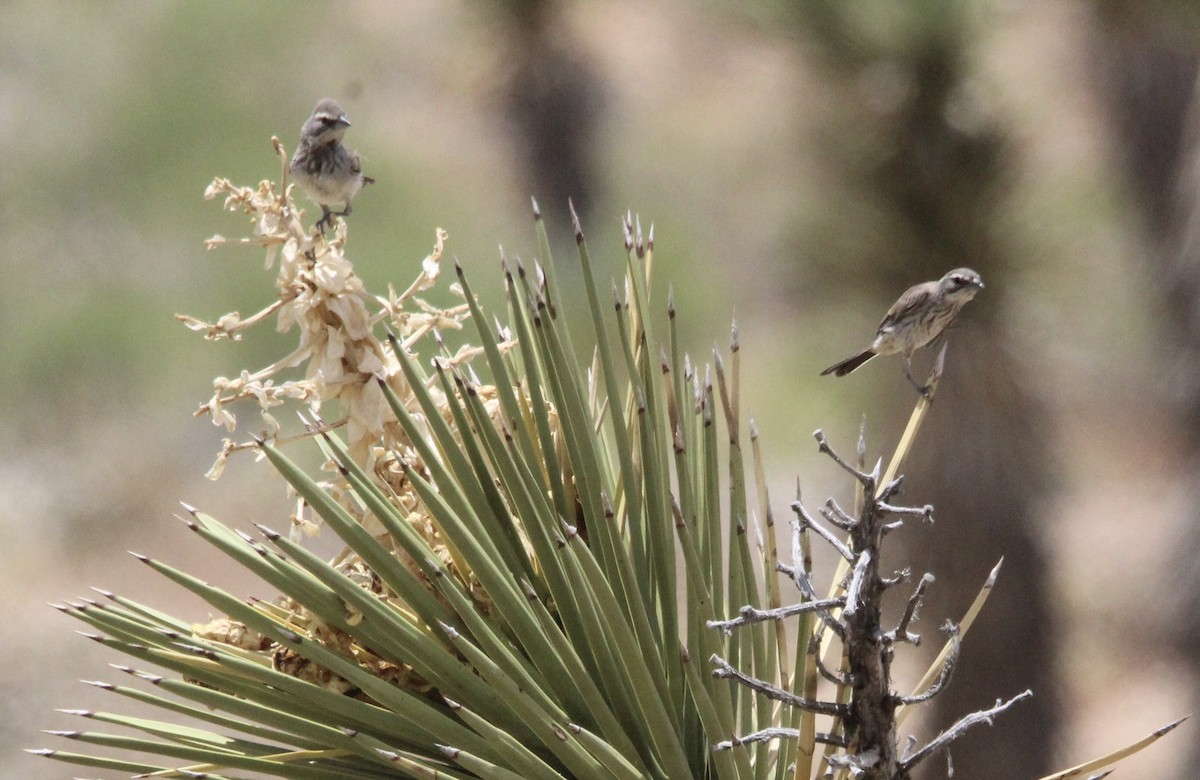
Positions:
{"x": 854, "y": 592}
{"x": 958, "y": 729}
{"x": 923, "y": 512}
{"x": 914, "y": 422}
{"x": 724, "y": 670}
{"x": 870, "y": 723}
{"x": 901, "y": 632}
{"x": 766, "y": 735}
{"x": 965, "y": 624}
{"x": 749, "y": 614}
{"x": 944, "y": 676}
{"x": 833, "y": 541}
{"x": 836, "y": 515}
{"x": 830, "y": 675}
{"x": 804, "y": 585}
{"x": 863, "y": 477}
{"x": 1116, "y": 755}
{"x": 869, "y": 718}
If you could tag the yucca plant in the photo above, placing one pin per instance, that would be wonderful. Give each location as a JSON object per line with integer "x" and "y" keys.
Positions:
{"x": 541, "y": 569}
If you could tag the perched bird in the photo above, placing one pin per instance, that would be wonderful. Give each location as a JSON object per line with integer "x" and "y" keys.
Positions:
{"x": 330, "y": 173}
{"x": 917, "y": 318}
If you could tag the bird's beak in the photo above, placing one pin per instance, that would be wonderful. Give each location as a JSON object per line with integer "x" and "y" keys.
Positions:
{"x": 981, "y": 284}
{"x": 342, "y": 121}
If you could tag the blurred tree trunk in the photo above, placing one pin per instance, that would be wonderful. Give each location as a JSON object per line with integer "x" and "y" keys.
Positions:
{"x": 1147, "y": 65}
{"x": 935, "y": 175}
{"x": 552, "y": 99}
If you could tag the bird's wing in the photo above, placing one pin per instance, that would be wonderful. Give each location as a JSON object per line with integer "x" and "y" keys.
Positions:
{"x": 913, "y": 299}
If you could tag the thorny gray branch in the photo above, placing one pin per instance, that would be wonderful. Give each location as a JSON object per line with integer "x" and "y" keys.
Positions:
{"x": 958, "y": 729}
{"x": 725, "y": 670}
{"x": 901, "y": 632}
{"x": 869, "y": 719}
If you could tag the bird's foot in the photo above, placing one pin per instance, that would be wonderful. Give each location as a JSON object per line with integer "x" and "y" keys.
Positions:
{"x": 926, "y": 391}
{"x": 325, "y": 221}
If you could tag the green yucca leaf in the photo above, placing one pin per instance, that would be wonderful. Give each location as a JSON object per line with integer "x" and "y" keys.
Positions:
{"x": 151, "y": 615}
{"x": 380, "y": 560}
{"x": 550, "y": 728}
{"x": 514, "y": 751}
{"x": 257, "y": 720}
{"x": 185, "y": 735}
{"x": 447, "y": 466}
{"x": 647, "y": 689}
{"x": 400, "y": 579}
{"x": 508, "y": 602}
{"x": 201, "y": 759}
{"x": 420, "y": 767}
{"x": 654, "y": 528}
{"x": 533, "y": 412}
{"x": 287, "y": 578}
{"x": 617, "y": 764}
{"x": 730, "y": 764}
{"x": 414, "y": 719}
{"x": 580, "y": 603}
{"x": 486, "y": 769}
{"x": 626, "y": 493}
{"x": 388, "y": 634}
{"x": 98, "y": 762}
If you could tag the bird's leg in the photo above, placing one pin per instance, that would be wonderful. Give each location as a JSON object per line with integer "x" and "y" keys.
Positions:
{"x": 924, "y": 390}
{"x": 326, "y": 219}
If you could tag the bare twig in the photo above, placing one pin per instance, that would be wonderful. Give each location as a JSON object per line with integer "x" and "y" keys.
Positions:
{"x": 901, "y": 632}
{"x": 943, "y": 677}
{"x": 809, "y": 522}
{"x": 890, "y": 489}
{"x": 923, "y": 512}
{"x": 856, "y": 762}
{"x": 804, "y": 585}
{"x": 838, "y": 516}
{"x": 766, "y": 735}
{"x": 726, "y": 671}
{"x": 814, "y": 645}
{"x": 857, "y": 579}
{"x": 958, "y": 729}
{"x": 748, "y": 614}
{"x": 868, "y": 480}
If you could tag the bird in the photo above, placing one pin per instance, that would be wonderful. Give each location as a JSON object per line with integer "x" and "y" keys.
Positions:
{"x": 917, "y": 317}
{"x": 324, "y": 168}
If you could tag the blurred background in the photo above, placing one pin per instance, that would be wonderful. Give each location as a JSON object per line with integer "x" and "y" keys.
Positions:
{"x": 802, "y": 163}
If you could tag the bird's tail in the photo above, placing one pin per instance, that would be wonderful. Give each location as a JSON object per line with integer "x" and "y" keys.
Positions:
{"x": 849, "y": 364}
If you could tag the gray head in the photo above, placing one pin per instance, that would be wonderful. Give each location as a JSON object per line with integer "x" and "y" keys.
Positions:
{"x": 961, "y": 283}
{"x": 327, "y": 124}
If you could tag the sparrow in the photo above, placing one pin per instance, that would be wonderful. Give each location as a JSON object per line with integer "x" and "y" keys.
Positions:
{"x": 324, "y": 168}
{"x": 918, "y": 317}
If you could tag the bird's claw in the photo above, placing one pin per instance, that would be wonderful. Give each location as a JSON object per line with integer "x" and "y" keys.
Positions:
{"x": 325, "y": 221}
{"x": 926, "y": 391}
